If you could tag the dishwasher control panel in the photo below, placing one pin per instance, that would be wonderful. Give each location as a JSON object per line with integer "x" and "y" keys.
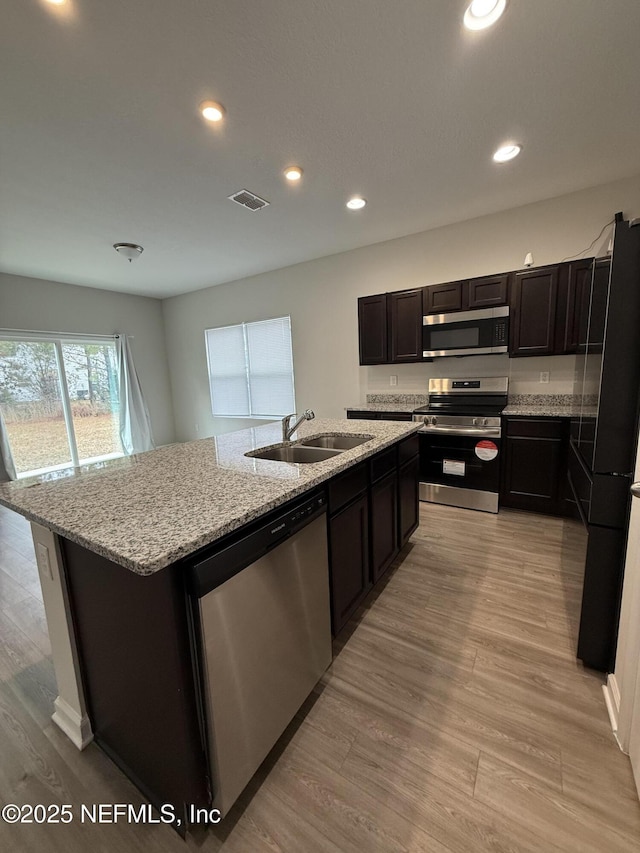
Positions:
{"x": 221, "y": 562}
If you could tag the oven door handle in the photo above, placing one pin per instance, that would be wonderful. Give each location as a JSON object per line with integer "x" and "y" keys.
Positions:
{"x": 496, "y": 432}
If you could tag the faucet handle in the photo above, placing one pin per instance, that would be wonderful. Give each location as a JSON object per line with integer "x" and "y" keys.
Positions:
{"x": 309, "y": 414}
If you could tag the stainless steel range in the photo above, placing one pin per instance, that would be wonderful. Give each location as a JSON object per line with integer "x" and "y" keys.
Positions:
{"x": 460, "y": 442}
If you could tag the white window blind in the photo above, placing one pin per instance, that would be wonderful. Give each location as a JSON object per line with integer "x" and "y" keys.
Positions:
{"x": 251, "y": 369}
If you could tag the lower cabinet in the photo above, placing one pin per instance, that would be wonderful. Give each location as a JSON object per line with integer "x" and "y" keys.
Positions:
{"x": 373, "y": 510}
{"x": 534, "y": 464}
{"x": 359, "y": 414}
{"x": 349, "y": 560}
{"x": 408, "y": 500}
{"x": 383, "y": 515}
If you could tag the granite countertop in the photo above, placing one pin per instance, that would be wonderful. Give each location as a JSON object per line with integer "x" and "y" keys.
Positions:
{"x": 391, "y": 403}
{"x": 548, "y": 405}
{"x": 383, "y": 407}
{"x": 149, "y": 510}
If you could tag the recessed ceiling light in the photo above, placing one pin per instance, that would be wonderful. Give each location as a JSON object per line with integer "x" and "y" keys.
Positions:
{"x": 212, "y": 111}
{"x": 293, "y": 173}
{"x": 56, "y": 2}
{"x": 483, "y": 13}
{"x": 356, "y": 203}
{"x": 507, "y": 152}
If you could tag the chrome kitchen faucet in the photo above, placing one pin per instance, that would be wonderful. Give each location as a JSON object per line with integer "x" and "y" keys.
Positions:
{"x": 288, "y": 431}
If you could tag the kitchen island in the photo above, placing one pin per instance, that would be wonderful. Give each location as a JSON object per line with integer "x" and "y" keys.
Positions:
{"x": 115, "y": 545}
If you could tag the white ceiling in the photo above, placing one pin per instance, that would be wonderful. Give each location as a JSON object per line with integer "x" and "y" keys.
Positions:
{"x": 101, "y": 140}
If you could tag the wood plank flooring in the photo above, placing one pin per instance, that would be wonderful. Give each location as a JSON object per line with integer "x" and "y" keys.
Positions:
{"x": 454, "y": 719}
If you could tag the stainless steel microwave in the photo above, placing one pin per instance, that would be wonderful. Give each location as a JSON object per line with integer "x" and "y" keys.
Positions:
{"x": 485, "y": 330}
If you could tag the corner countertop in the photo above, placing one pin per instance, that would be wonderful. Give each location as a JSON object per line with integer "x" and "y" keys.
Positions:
{"x": 149, "y": 510}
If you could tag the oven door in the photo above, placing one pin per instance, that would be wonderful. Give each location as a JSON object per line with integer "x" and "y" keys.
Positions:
{"x": 466, "y": 333}
{"x": 460, "y": 470}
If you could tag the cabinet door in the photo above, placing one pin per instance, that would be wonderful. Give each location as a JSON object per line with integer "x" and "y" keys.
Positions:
{"x": 442, "y": 298}
{"x": 408, "y": 502}
{"x": 372, "y": 329}
{"x": 534, "y": 465}
{"x": 573, "y": 308}
{"x": 349, "y": 560}
{"x": 405, "y": 325}
{"x": 383, "y": 517}
{"x": 533, "y": 320}
{"x": 487, "y": 291}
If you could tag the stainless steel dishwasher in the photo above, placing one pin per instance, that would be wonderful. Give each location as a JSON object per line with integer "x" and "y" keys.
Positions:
{"x": 263, "y": 638}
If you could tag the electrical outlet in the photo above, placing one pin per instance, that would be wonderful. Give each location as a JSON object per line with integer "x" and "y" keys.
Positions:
{"x": 544, "y": 377}
{"x": 43, "y": 561}
{"x": 393, "y": 380}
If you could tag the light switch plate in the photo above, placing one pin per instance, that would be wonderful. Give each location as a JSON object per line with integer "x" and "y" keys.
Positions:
{"x": 393, "y": 380}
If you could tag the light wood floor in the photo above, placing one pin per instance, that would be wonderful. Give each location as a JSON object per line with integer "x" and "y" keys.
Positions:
{"x": 454, "y": 717}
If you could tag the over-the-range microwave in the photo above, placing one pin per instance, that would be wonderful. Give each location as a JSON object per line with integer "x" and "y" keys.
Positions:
{"x": 485, "y": 330}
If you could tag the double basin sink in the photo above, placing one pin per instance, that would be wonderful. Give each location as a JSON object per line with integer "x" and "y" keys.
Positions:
{"x": 311, "y": 449}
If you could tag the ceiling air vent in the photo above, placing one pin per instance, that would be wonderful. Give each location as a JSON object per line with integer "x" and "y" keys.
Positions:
{"x": 248, "y": 200}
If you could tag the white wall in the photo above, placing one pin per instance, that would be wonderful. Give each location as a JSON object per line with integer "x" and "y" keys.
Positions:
{"x": 321, "y": 297}
{"x": 49, "y": 306}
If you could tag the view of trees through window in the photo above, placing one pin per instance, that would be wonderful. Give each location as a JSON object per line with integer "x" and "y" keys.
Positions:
{"x": 37, "y": 378}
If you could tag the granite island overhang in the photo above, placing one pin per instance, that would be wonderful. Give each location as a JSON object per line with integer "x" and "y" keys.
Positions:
{"x": 123, "y": 531}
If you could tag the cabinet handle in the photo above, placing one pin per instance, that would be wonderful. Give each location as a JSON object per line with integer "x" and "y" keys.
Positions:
{"x": 635, "y": 489}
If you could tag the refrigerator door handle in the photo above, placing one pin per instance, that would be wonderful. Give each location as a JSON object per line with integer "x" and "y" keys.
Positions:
{"x": 635, "y": 489}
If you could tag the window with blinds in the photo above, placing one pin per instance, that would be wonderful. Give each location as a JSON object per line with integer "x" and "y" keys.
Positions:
{"x": 251, "y": 369}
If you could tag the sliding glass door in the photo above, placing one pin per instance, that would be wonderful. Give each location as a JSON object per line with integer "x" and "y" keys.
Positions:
{"x": 60, "y": 402}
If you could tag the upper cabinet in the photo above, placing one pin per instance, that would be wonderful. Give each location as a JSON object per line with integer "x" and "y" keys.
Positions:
{"x": 533, "y": 312}
{"x": 484, "y": 292}
{"x": 390, "y": 327}
{"x": 372, "y": 327}
{"x": 572, "y": 309}
{"x": 549, "y": 310}
{"x": 488, "y": 291}
{"x": 443, "y": 298}
{"x": 404, "y": 317}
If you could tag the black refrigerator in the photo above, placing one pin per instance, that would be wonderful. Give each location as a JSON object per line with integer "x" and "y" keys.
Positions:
{"x": 604, "y": 435}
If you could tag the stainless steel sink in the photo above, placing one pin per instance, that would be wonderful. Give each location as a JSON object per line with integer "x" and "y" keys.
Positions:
{"x": 335, "y": 441}
{"x": 295, "y": 453}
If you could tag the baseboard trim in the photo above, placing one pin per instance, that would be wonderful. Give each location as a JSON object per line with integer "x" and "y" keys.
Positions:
{"x": 612, "y": 701}
{"x": 76, "y": 728}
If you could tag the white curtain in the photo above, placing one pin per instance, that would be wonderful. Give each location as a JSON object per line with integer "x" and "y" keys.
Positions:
{"x": 135, "y": 423}
{"x": 7, "y": 468}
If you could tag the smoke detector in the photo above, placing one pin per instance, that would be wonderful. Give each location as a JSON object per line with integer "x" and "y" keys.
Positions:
{"x": 248, "y": 200}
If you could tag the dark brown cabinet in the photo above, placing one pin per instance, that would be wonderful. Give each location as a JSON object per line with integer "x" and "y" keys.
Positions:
{"x": 534, "y": 464}
{"x": 483, "y": 292}
{"x": 373, "y": 510}
{"x": 533, "y": 315}
{"x": 383, "y": 514}
{"x": 443, "y": 298}
{"x": 573, "y": 306}
{"x": 390, "y": 327}
{"x": 487, "y": 292}
{"x": 408, "y": 500}
{"x": 354, "y": 414}
{"x": 348, "y": 531}
{"x": 404, "y": 318}
{"x": 372, "y": 328}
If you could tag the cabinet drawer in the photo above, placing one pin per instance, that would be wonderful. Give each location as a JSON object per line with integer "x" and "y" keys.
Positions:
{"x": 536, "y": 427}
{"x": 382, "y": 464}
{"x": 345, "y": 487}
{"x": 408, "y": 448}
{"x": 362, "y": 416}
